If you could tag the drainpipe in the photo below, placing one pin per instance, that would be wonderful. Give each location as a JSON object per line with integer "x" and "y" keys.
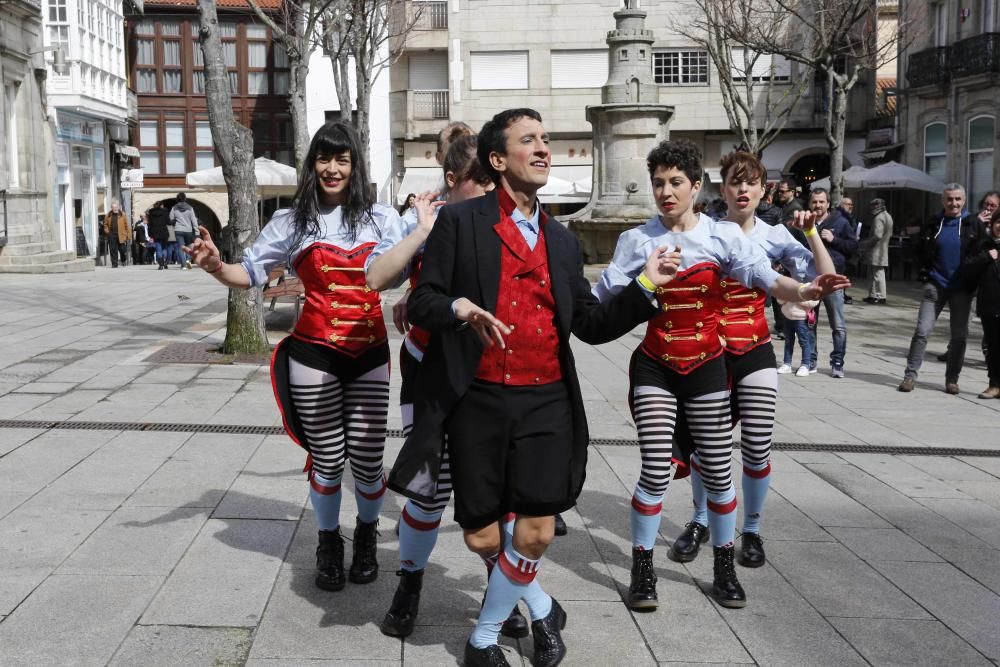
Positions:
{"x": 3, "y": 199}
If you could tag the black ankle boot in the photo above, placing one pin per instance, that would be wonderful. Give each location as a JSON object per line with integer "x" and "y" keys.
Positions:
{"x": 491, "y": 656}
{"x": 547, "y": 634}
{"x": 330, "y": 560}
{"x": 751, "y": 550}
{"x": 364, "y": 565}
{"x": 726, "y": 587}
{"x": 687, "y": 545}
{"x": 402, "y": 614}
{"x": 642, "y": 586}
{"x": 516, "y": 625}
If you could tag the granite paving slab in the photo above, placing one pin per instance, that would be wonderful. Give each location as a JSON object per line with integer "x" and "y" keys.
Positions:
{"x": 171, "y": 645}
{"x": 907, "y": 643}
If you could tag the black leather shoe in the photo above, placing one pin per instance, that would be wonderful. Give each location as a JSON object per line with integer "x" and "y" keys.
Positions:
{"x": 491, "y": 656}
{"x": 364, "y": 565}
{"x": 516, "y": 625}
{"x": 330, "y": 561}
{"x": 402, "y": 614}
{"x": 726, "y": 587}
{"x": 561, "y": 528}
{"x": 687, "y": 545}
{"x": 642, "y": 586}
{"x": 751, "y": 550}
{"x": 549, "y": 647}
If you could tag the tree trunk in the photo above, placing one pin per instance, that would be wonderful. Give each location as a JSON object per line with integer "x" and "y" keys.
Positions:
{"x": 340, "y": 63}
{"x": 838, "y": 129}
{"x": 297, "y": 101}
{"x": 363, "y": 104}
{"x": 234, "y": 143}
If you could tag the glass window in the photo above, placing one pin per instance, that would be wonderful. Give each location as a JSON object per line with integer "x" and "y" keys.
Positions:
{"x": 936, "y": 150}
{"x": 170, "y": 29}
{"x": 198, "y": 82}
{"x": 280, "y": 55}
{"x": 227, "y": 30}
{"x": 150, "y": 162}
{"x": 174, "y": 132}
{"x": 234, "y": 83}
{"x": 57, "y": 11}
{"x": 680, "y": 68}
{"x": 255, "y": 31}
{"x": 175, "y": 162}
{"x": 145, "y": 81}
{"x": 199, "y": 56}
{"x": 281, "y": 83}
{"x": 257, "y": 83}
{"x": 144, "y": 54}
{"x": 172, "y": 81}
{"x": 981, "y": 134}
{"x": 229, "y": 53}
{"x": 148, "y": 133}
{"x": 171, "y": 53}
{"x": 257, "y": 55}
{"x": 202, "y": 133}
{"x": 204, "y": 160}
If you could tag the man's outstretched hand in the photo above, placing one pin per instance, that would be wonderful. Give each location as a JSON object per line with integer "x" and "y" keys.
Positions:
{"x": 489, "y": 329}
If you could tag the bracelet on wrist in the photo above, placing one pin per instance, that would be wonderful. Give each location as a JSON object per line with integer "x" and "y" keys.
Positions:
{"x": 646, "y": 282}
{"x": 803, "y": 287}
{"x": 811, "y": 232}
{"x": 217, "y": 268}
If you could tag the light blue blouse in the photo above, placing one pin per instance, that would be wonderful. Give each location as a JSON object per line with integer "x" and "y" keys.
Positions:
{"x": 273, "y": 245}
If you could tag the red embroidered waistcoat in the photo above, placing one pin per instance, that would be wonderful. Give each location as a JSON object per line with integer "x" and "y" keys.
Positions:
{"x": 340, "y": 311}
{"x": 419, "y": 337}
{"x": 525, "y": 304}
{"x": 684, "y": 334}
{"x": 742, "y": 321}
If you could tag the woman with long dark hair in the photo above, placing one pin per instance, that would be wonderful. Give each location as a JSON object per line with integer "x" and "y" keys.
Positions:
{"x": 680, "y": 364}
{"x": 331, "y": 375}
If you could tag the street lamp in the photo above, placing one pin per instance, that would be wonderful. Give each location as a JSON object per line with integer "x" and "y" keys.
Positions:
{"x": 59, "y": 64}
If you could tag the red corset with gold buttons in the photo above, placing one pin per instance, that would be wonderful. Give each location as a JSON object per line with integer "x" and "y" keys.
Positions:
{"x": 683, "y": 335}
{"x": 742, "y": 322}
{"x": 419, "y": 337}
{"x": 340, "y": 311}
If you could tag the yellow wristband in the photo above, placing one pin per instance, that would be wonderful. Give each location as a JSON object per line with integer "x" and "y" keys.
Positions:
{"x": 646, "y": 282}
{"x": 811, "y": 232}
{"x": 803, "y": 286}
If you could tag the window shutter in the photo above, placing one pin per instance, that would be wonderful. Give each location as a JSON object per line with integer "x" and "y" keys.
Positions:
{"x": 499, "y": 70}
{"x": 579, "y": 69}
{"x": 428, "y": 71}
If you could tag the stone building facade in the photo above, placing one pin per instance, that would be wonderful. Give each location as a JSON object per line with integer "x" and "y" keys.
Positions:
{"x": 949, "y": 89}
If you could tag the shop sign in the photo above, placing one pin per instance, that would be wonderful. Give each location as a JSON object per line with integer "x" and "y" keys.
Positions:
{"x": 131, "y": 178}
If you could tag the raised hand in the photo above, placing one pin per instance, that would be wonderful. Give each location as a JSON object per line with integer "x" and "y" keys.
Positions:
{"x": 804, "y": 220}
{"x": 489, "y": 329}
{"x": 203, "y": 251}
{"x": 427, "y": 205}
{"x": 824, "y": 285}
{"x": 663, "y": 265}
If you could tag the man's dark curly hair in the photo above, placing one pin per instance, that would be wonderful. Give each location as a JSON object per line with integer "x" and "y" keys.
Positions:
{"x": 682, "y": 154}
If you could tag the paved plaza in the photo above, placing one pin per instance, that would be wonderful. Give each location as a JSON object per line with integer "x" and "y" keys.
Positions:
{"x": 124, "y": 545}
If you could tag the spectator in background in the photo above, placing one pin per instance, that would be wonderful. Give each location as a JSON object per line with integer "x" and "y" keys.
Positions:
{"x": 877, "y": 245}
{"x": 119, "y": 234}
{"x": 158, "y": 219}
{"x": 785, "y": 198}
{"x": 988, "y": 205}
{"x": 140, "y": 234}
{"x": 768, "y": 212}
{"x": 410, "y": 199}
{"x": 846, "y": 209}
{"x": 982, "y": 270}
{"x": 840, "y": 243}
{"x": 185, "y": 225}
{"x": 947, "y": 240}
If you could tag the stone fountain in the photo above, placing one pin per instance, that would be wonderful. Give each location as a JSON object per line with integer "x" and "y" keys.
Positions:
{"x": 626, "y": 125}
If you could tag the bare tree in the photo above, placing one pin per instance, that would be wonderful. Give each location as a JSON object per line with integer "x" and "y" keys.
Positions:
{"x": 372, "y": 34}
{"x": 234, "y": 144}
{"x": 839, "y": 39}
{"x": 295, "y": 27}
{"x": 757, "y": 105}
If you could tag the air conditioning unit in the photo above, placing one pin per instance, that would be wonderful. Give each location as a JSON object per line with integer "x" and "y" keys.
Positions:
{"x": 118, "y": 132}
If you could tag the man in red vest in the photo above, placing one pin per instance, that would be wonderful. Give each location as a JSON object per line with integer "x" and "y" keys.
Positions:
{"x": 501, "y": 288}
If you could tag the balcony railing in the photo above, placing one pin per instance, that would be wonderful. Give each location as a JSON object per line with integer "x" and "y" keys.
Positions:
{"x": 928, "y": 67}
{"x": 429, "y": 104}
{"x": 975, "y": 55}
{"x": 430, "y": 15}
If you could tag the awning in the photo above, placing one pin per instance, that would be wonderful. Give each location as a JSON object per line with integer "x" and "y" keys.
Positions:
{"x": 568, "y": 184}
{"x": 127, "y": 151}
{"x": 417, "y": 180}
{"x": 714, "y": 174}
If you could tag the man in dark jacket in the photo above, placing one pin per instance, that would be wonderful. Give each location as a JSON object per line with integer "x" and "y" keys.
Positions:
{"x": 784, "y": 196}
{"x": 946, "y": 241}
{"x": 158, "y": 219}
{"x": 840, "y": 243}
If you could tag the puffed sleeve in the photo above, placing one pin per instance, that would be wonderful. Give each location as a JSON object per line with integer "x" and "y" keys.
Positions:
{"x": 394, "y": 229}
{"x": 792, "y": 255}
{"x": 741, "y": 258}
{"x": 271, "y": 248}
{"x": 630, "y": 257}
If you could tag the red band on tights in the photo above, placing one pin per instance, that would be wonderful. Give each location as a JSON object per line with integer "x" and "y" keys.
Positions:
{"x": 523, "y": 572}
{"x": 647, "y": 510}
{"x": 758, "y": 474}
{"x": 725, "y": 508}
{"x": 323, "y": 490}
{"x": 375, "y": 495}
{"x": 417, "y": 524}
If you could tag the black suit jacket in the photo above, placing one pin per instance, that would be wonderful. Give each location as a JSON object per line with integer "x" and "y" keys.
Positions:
{"x": 462, "y": 259}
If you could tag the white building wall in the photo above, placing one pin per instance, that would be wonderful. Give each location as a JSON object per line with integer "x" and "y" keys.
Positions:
{"x": 321, "y": 97}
